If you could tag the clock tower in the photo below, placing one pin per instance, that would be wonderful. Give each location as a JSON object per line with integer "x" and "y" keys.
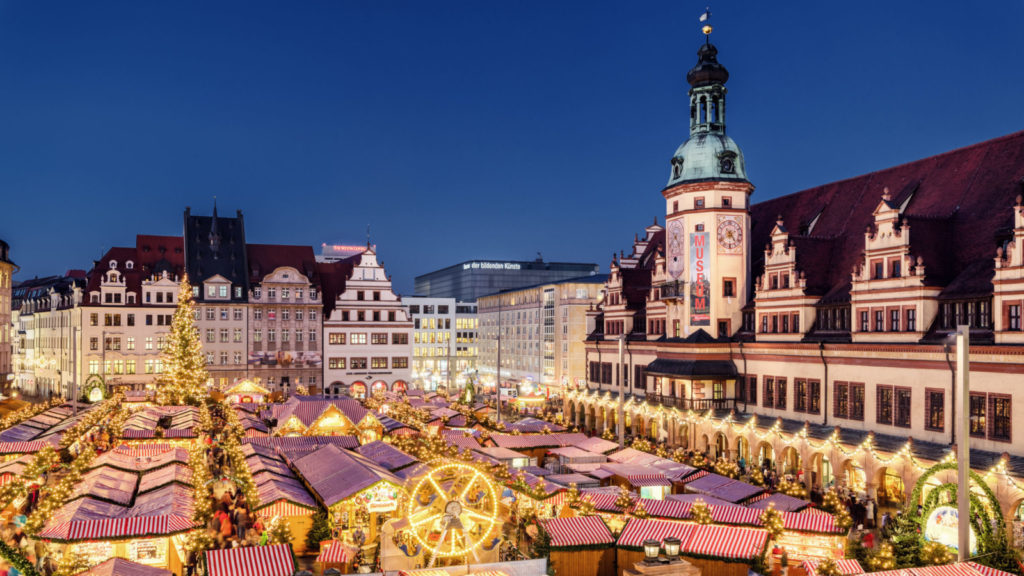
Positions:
{"x": 707, "y": 231}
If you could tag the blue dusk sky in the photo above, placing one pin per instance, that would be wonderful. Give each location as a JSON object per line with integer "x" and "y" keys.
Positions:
{"x": 459, "y": 130}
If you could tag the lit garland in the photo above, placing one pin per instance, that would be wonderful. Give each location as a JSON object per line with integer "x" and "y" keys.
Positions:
{"x": 52, "y": 498}
{"x": 44, "y": 461}
{"x": 200, "y": 478}
{"x": 26, "y": 412}
{"x": 756, "y": 476}
{"x": 700, "y": 512}
{"x": 233, "y": 449}
{"x": 199, "y": 540}
{"x": 101, "y": 413}
{"x": 771, "y": 519}
{"x": 184, "y": 379}
{"x": 643, "y": 445}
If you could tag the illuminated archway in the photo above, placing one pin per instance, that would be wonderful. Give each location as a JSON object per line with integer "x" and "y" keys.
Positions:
{"x": 742, "y": 448}
{"x": 790, "y": 460}
{"x": 765, "y": 454}
{"x": 400, "y": 386}
{"x": 721, "y": 446}
{"x": 358, "y": 390}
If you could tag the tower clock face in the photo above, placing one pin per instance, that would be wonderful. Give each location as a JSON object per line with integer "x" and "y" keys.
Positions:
{"x": 730, "y": 234}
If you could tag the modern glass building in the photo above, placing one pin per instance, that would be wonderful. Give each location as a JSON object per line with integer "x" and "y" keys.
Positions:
{"x": 469, "y": 280}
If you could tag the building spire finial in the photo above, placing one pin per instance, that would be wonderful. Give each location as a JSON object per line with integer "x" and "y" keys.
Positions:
{"x": 706, "y": 28}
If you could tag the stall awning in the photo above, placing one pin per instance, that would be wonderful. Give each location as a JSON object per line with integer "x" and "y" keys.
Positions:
{"x": 692, "y": 369}
{"x": 666, "y": 508}
{"x": 122, "y": 567}
{"x": 847, "y": 566}
{"x": 735, "y": 515}
{"x": 284, "y": 508}
{"x": 726, "y": 541}
{"x": 804, "y": 522}
{"x": 648, "y": 480}
{"x": 334, "y": 552}
{"x": 578, "y": 531}
{"x": 639, "y": 529}
{"x": 275, "y": 560}
{"x": 117, "y": 528}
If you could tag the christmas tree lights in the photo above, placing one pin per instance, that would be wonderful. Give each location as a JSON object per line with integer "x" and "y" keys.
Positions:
{"x": 771, "y": 519}
{"x": 700, "y": 512}
{"x": 184, "y": 379}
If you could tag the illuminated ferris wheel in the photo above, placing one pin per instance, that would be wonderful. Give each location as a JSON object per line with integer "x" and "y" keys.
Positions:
{"x": 453, "y": 510}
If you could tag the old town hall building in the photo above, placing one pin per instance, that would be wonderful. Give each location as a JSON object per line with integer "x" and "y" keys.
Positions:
{"x": 811, "y": 330}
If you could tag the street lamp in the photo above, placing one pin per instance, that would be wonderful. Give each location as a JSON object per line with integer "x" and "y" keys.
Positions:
{"x": 963, "y": 452}
{"x": 651, "y": 548}
{"x": 621, "y": 376}
{"x": 672, "y": 548}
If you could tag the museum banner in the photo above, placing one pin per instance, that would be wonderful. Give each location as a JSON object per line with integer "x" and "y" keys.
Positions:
{"x": 700, "y": 287}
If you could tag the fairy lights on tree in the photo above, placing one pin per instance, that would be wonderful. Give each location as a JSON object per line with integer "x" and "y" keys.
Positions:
{"x": 184, "y": 379}
{"x": 700, "y": 512}
{"x": 771, "y": 519}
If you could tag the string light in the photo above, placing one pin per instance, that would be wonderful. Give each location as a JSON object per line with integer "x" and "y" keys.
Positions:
{"x": 185, "y": 376}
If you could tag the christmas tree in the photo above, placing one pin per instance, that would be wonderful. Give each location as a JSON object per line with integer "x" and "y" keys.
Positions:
{"x": 882, "y": 559}
{"x": 906, "y": 540}
{"x": 700, "y": 513}
{"x": 184, "y": 378}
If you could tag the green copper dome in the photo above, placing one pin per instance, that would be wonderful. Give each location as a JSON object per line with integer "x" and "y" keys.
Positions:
{"x": 708, "y": 154}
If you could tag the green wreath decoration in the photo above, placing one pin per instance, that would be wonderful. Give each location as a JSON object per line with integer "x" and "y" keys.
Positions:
{"x": 983, "y": 511}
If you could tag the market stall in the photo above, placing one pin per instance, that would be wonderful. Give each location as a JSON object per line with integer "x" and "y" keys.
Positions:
{"x": 122, "y": 567}
{"x": 723, "y": 488}
{"x": 275, "y": 560}
{"x": 716, "y": 550}
{"x": 334, "y": 554}
{"x": 847, "y": 567}
{"x": 246, "y": 392}
{"x": 581, "y": 546}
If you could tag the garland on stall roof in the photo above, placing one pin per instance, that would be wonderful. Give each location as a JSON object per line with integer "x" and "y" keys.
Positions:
{"x": 233, "y": 448}
{"x": 200, "y": 478}
{"x": 51, "y": 499}
{"x": 44, "y": 461}
{"x": 104, "y": 411}
{"x": 26, "y": 412}
{"x": 14, "y": 556}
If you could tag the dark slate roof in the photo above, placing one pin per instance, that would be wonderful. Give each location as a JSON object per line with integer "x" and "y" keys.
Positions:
{"x": 263, "y": 259}
{"x": 693, "y": 368}
{"x": 215, "y": 245}
{"x": 333, "y": 276}
{"x": 151, "y": 256}
{"x": 961, "y": 194}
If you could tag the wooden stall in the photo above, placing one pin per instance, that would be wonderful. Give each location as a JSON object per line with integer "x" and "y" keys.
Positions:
{"x": 581, "y": 546}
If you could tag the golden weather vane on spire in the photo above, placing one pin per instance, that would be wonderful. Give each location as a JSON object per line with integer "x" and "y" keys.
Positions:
{"x": 706, "y": 19}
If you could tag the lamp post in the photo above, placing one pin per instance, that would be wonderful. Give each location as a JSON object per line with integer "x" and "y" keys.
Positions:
{"x": 963, "y": 453}
{"x": 621, "y": 376}
{"x": 497, "y": 382}
{"x": 651, "y": 549}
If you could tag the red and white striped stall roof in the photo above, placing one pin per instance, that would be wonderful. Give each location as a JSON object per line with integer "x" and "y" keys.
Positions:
{"x": 639, "y": 529}
{"x": 143, "y": 450}
{"x": 726, "y": 541}
{"x": 603, "y": 501}
{"x": 23, "y": 447}
{"x": 735, "y": 515}
{"x": 987, "y": 570}
{"x": 759, "y": 497}
{"x": 825, "y": 523}
{"x": 578, "y": 531}
{"x": 254, "y": 433}
{"x": 695, "y": 476}
{"x": 847, "y": 566}
{"x": 115, "y": 528}
{"x": 275, "y": 560}
{"x": 489, "y": 573}
{"x": 959, "y": 569}
{"x": 649, "y": 480}
{"x": 666, "y": 508}
{"x": 334, "y": 552}
{"x": 284, "y": 508}
{"x": 424, "y": 572}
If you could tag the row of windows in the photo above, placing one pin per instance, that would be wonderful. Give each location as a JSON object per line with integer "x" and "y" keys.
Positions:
{"x": 153, "y": 366}
{"x": 224, "y": 358}
{"x": 129, "y": 319}
{"x": 286, "y": 293}
{"x": 211, "y": 335}
{"x": 459, "y": 351}
{"x": 432, "y": 323}
{"x": 897, "y": 321}
{"x": 990, "y": 414}
{"x": 357, "y": 338}
{"x": 211, "y": 314}
{"x": 780, "y": 323}
{"x": 285, "y": 314}
{"x": 214, "y": 291}
{"x": 113, "y": 343}
{"x": 257, "y": 335}
{"x": 429, "y": 309}
{"x": 360, "y": 363}
{"x": 360, "y": 316}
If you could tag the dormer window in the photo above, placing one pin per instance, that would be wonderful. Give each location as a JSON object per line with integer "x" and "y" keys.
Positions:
{"x": 113, "y": 264}
{"x": 129, "y": 265}
{"x": 677, "y": 167}
{"x": 727, "y": 162}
